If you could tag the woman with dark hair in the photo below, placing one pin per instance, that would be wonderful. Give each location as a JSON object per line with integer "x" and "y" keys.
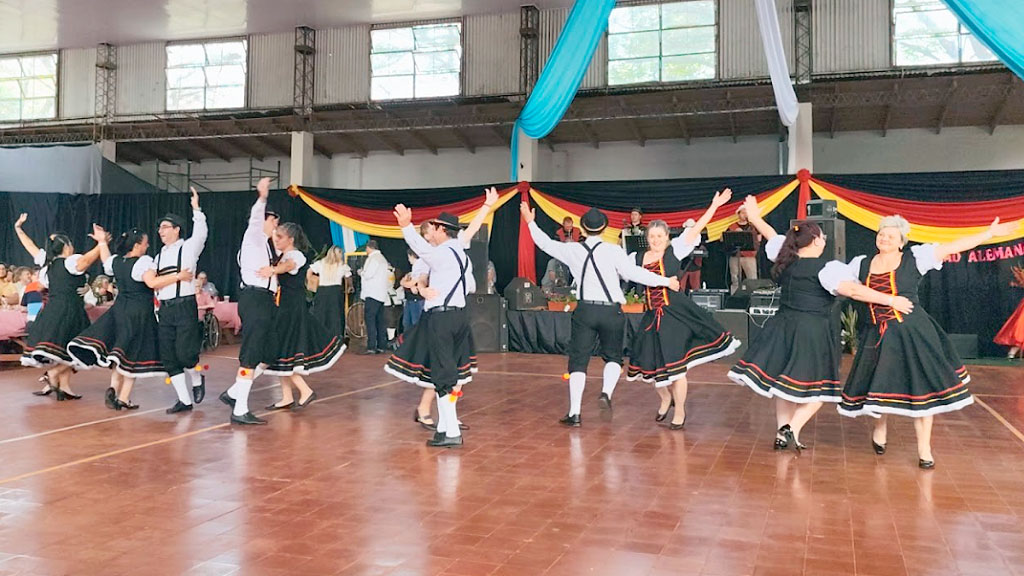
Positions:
{"x": 125, "y": 338}
{"x": 64, "y": 316}
{"x": 906, "y": 365}
{"x": 675, "y": 334}
{"x": 304, "y": 345}
{"x": 795, "y": 358}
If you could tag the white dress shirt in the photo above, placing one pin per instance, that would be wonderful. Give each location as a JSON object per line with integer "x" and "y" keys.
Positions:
{"x": 375, "y": 275}
{"x": 190, "y": 251}
{"x": 445, "y": 270}
{"x": 341, "y": 272}
{"x": 255, "y": 252}
{"x": 609, "y": 259}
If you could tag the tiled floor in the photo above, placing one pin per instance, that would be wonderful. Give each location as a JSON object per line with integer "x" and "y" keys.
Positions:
{"x": 348, "y": 486}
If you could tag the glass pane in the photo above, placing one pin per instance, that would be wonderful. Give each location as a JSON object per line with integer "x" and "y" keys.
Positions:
{"x": 974, "y": 50}
{"x": 695, "y": 67}
{"x": 437, "y": 62}
{"x": 392, "y": 40}
{"x": 39, "y": 88}
{"x": 220, "y": 53}
{"x": 905, "y": 5}
{"x": 186, "y": 99}
{"x": 632, "y": 71}
{"x": 634, "y": 19}
{"x": 435, "y": 85}
{"x": 185, "y": 78}
{"x": 225, "y": 97}
{"x": 10, "y": 89}
{"x": 230, "y": 75}
{"x": 926, "y": 23}
{"x": 39, "y": 108}
{"x": 927, "y": 51}
{"x": 185, "y": 55}
{"x": 391, "y": 88}
{"x": 391, "y": 63}
{"x": 636, "y": 45}
{"x": 688, "y": 41}
{"x": 682, "y": 14}
{"x": 10, "y": 110}
{"x": 10, "y": 68}
{"x": 439, "y": 37}
{"x": 39, "y": 65}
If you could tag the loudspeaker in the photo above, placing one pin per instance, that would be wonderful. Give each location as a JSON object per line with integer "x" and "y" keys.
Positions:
{"x": 966, "y": 344}
{"x": 709, "y": 300}
{"x": 822, "y": 209}
{"x": 478, "y": 255}
{"x": 522, "y": 294}
{"x": 488, "y": 319}
{"x": 736, "y": 323}
{"x": 835, "y": 236}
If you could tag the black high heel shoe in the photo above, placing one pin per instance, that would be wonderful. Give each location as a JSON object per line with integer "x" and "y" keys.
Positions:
{"x": 879, "y": 448}
{"x": 679, "y": 426}
{"x": 45, "y": 378}
{"x": 299, "y": 405}
{"x": 424, "y": 421}
{"x": 64, "y": 395}
{"x": 122, "y": 405}
{"x": 274, "y": 407}
{"x": 925, "y": 464}
{"x": 786, "y": 435}
{"x": 661, "y": 417}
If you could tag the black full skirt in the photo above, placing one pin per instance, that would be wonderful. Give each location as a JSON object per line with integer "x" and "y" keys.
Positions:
{"x": 329, "y": 308}
{"x": 125, "y": 338}
{"x": 60, "y": 320}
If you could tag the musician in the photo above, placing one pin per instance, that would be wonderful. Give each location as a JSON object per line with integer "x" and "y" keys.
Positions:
{"x": 743, "y": 264}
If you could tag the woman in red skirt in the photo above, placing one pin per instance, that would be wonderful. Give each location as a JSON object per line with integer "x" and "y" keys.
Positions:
{"x": 1012, "y": 333}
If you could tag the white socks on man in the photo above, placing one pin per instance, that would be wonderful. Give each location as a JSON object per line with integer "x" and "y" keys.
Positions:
{"x": 181, "y": 389}
{"x": 612, "y": 371}
{"x": 239, "y": 391}
{"x": 447, "y": 417}
{"x": 577, "y": 381}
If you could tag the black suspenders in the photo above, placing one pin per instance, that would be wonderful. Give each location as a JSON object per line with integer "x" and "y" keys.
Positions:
{"x": 462, "y": 278}
{"x": 591, "y": 261}
{"x": 162, "y": 272}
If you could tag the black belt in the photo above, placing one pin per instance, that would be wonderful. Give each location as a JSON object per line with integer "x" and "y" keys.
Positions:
{"x": 598, "y": 303}
{"x": 445, "y": 308}
{"x": 178, "y": 299}
{"x": 256, "y": 289}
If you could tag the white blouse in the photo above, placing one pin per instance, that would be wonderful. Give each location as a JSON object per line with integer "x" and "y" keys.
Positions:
{"x": 341, "y": 272}
{"x": 835, "y": 272}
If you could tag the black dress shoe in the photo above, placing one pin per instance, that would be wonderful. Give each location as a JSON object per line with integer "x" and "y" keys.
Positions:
{"x": 199, "y": 392}
{"x": 62, "y": 396}
{"x": 121, "y": 405}
{"x": 110, "y": 399}
{"x": 661, "y": 417}
{"x": 445, "y": 442}
{"x": 225, "y": 398}
{"x": 438, "y": 436}
{"x": 247, "y": 418}
{"x": 299, "y": 405}
{"x": 179, "y": 407}
{"x": 604, "y": 401}
{"x": 423, "y": 420}
{"x": 926, "y": 464}
{"x": 573, "y": 421}
{"x": 274, "y": 407}
{"x": 879, "y": 448}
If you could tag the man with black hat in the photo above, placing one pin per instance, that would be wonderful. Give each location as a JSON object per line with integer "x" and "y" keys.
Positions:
{"x": 180, "y": 334}
{"x": 438, "y": 352}
{"x": 597, "y": 267}
{"x": 257, "y": 260}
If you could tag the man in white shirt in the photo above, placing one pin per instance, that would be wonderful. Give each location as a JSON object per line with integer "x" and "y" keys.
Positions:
{"x": 179, "y": 331}
{"x": 374, "y": 292}
{"x": 257, "y": 259}
{"x": 597, "y": 266}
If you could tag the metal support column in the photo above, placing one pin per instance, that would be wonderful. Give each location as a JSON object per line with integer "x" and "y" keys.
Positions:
{"x": 305, "y": 63}
{"x": 106, "y": 90}
{"x": 803, "y": 39}
{"x": 529, "y": 48}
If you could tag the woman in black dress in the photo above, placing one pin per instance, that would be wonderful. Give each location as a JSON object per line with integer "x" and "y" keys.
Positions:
{"x": 675, "y": 334}
{"x": 63, "y": 317}
{"x": 125, "y": 338}
{"x": 905, "y": 363}
{"x": 304, "y": 345}
{"x": 795, "y": 358}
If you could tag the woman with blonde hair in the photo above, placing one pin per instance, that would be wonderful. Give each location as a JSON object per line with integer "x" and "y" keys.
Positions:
{"x": 326, "y": 277}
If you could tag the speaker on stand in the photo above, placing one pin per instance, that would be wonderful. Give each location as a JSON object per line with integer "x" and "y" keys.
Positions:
{"x": 479, "y": 256}
{"x": 488, "y": 320}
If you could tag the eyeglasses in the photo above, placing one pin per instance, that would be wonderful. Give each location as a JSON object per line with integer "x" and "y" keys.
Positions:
{"x": 165, "y": 227}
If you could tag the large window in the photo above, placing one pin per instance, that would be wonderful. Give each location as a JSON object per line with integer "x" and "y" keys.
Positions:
{"x": 926, "y": 33}
{"x": 670, "y": 42}
{"x": 416, "y": 62}
{"x": 28, "y": 87}
{"x": 206, "y": 76}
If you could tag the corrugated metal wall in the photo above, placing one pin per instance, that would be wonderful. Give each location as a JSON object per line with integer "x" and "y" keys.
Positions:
{"x": 739, "y": 39}
{"x": 271, "y": 70}
{"x": 850, "y": 36}
{"x": 77, "y": 91}
{"x": 491, "y": 54}
{"x": 141, "y": 78}
{"x": 342, "y": 65}
{"x": 551, "y": 24}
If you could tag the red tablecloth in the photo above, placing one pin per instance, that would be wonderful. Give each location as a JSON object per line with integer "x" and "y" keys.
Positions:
{"x": 95, "y": 312}
{"x": 227, "y": 314}
{"x": 12, "y": 324}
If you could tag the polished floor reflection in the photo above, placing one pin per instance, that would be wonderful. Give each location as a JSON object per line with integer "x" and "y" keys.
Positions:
{"x": 348, "y": 486}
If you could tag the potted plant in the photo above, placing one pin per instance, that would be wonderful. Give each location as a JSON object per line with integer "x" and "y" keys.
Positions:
{"x": 634, "y": 303}
{"x": 560, "y": 303}
{"x": 848, "y": 319}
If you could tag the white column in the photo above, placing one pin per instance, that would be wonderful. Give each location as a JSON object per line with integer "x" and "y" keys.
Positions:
{"x": 302, "y": 158}
{"x": 109, "y": 149}
{"x": 801, "y": 141}
{"x": 526, "y": 168}
{"x": 354, "y": 171}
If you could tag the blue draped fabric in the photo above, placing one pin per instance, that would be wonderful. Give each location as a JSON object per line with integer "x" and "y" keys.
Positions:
{"x": 562, "y": 74}
{"x": 338, "y": 233}
{"x": 999, "y": 24}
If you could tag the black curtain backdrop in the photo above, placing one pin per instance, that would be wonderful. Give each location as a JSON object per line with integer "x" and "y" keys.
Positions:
{"x": 965, "y": 297}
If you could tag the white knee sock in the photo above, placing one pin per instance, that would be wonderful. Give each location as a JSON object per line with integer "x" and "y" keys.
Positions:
{"x": 447, "y": 414}
{"x": 577, "y": 381}
{"x": 193, "y": 376}
{"x": 181, "y": 388}
{"x": 612, "y": 371}
{"x": 442, "y": 422}
{"x": 241, "y": 396}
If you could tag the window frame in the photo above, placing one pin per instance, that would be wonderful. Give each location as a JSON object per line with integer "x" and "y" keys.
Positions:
{"x": 412, "y": 24}
{"x": 246, "y": 40}
{"x": 718, "y": 45}
{"x": 56, "y": 87}
{"x": 962, "y": 30}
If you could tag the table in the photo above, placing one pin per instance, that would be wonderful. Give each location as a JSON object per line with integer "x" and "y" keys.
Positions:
{"x": 12, "y": 324}
{"x": 227, "y": 315}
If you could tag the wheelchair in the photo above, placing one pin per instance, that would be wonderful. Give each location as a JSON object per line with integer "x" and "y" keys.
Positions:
{"x": 211, "y": 331}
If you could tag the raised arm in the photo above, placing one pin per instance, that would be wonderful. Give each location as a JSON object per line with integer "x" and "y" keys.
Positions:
{"x": 995, "y": 230}
{"x": 258, "y": 213}
{"x": 421, "y": 247}
{"x": 27, "y": 242}
{"x": 558, "y": 250}
{"x": 630, "y": 271}
{"x": 692, "y": 235}
{"x": 490, "y": 199}
{"x": 89, "y": 258}
{"x": 755, "y": 219}
{"x": 200, "y": 231}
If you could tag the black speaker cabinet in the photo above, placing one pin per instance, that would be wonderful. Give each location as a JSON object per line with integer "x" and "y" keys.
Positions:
{"x": 522, "y": 294}
{"x": 820, "y": 208}
{"x": 966, "y": 344}
{"x": 478, "y": 255}
{"x": 835, "y": 236}
{"x": 736, "y": 322}
{"x": 488, "y": 319}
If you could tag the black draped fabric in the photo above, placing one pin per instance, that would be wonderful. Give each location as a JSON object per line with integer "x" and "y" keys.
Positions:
{"x": 548, "y": 332}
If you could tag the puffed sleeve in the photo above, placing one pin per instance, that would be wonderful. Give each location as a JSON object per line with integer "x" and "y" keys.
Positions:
{"x": 835, "y": 273}
{"x": 924, "y": 255}
{"x": 40, "y": 257}
{"x": 772, "y": 248}
{"x": 71, "y": 265}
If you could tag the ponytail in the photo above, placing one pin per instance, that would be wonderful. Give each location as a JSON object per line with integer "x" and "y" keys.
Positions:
{"x": 55, "y": 245}
{"x": 800, "y": 235}
{"x": 298, "y": 236}
{"x": 127, "y": 241}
